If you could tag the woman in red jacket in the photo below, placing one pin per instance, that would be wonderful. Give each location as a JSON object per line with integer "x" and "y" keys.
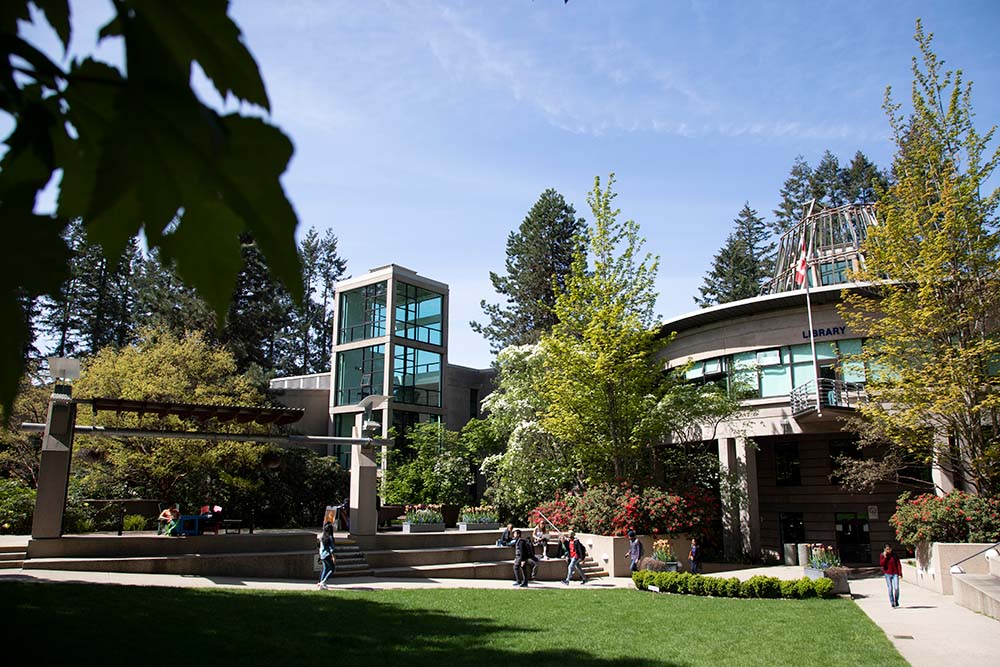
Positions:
{"x": 893, "y": 570}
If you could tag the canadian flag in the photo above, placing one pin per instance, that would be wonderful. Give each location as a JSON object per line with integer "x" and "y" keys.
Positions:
{"x": 800, "y": 269}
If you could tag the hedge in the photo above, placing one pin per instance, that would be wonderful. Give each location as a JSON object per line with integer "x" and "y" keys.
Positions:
{"x": 758, "y": 586}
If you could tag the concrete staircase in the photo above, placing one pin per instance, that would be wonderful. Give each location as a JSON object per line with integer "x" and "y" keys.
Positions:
{"x": 980, "y": 592}
{"x": 350, "y": 559}
{"x": 459, "y": 555}
{"x": 12, "y": 557}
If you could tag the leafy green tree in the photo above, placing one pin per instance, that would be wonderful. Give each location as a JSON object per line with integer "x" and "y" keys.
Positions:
{"x": 137, "y": 150}
{"x": 795, "y": 195}
{"x": 534, "y": 465}
{"x": 438, "y": 472}
{"x": 742, "y": 266}
{"x": 539, "y": 256}
{"x": 933, "y": 384}
{"x": 19, "y": 451}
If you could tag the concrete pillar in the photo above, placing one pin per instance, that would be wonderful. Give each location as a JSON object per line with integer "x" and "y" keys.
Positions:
{"x": 53, "y": 469}
{"x": 740, "y": 497}
{"x": 364, "y": 487}
{"x": 944, "y": 480}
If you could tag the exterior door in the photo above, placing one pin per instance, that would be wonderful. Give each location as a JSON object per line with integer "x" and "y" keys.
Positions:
{"x": 853, "y": 538}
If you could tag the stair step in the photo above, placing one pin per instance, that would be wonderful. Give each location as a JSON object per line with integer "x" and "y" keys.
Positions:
{"x": 13, "y": 556}
{"x": 11, "y": 564}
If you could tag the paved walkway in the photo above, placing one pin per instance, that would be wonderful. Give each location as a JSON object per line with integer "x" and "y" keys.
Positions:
{"x": 928, "y": 629}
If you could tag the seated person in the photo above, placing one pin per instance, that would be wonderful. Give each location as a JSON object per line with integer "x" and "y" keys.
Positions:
{"x": 507, "y": 538}
{"x": 540, "y": 537}
{"x": 211, "y": 518}
{"x": 169, "y": 521}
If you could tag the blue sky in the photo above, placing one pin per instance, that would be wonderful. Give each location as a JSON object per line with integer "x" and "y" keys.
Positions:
{"x": 424, "y": 130}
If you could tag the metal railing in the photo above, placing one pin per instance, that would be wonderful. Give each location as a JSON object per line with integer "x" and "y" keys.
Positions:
{"x": 832, "y": 394}
{"x": 956, "y": 569}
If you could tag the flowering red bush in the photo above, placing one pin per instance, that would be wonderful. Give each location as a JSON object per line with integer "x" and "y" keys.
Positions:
{"x": 956, "y": 517}
{"x": 615, "y": 509}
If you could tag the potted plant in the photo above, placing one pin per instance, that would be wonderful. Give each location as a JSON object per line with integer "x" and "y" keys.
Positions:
{"x": 479, "y": 518}
{"x": 824, "y": 562}
{"x": 423, "y": 519}
{"x": 663, "y": 559}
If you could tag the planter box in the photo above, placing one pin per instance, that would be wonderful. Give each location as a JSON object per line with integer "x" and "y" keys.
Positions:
{"x": 840, "y": 584}
{"x": 478, "y": 526}
{"x": 422, "y": 527}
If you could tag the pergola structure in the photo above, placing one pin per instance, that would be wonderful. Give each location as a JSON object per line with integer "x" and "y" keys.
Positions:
{"x": 832, "y": 239}
{"x": 60, "y": 427}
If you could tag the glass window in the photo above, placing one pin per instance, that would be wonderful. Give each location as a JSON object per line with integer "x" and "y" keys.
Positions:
{"x": 403, "y": 422}
{"x": 849, "y": 448}
{"x": 775, "y": 381}
{"x": 769, "y": 358}
{"x": 362, "y": 313}
{"x": 833, "y": 273}
{"x": 786, "y": 465}
{"x": 416, "y": 376}
{"x": 696, "y": 371}
{"x": 418, "y": 314}
{"x": 359, "y": 374}
{"x": 852, "y": 371}
{"x": 745, "y": 380}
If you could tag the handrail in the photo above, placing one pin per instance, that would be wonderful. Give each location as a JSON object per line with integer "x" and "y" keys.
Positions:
{"x": 549, "y": 522}
{"x": 982, "y": 551}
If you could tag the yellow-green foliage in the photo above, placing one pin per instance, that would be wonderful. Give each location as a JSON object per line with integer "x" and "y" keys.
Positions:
{"x": 935, "y": 256}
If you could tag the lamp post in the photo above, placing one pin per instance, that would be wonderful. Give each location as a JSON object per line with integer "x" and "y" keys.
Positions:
{"x": 57, "y": 451}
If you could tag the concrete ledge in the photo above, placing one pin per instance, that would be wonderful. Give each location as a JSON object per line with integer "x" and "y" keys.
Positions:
{"x": 127, "y": 546}
{"x": 281, "y": 565}
{"x": 978, "y": 592}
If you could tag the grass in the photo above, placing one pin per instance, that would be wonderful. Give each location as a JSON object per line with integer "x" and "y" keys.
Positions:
{"x": 107, "y": 625}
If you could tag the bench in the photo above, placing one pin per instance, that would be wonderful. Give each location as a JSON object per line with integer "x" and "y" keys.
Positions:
{"x": 232, "y": 526}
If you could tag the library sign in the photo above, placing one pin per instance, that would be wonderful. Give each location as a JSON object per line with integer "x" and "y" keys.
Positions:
{"x": 825, "y": 332}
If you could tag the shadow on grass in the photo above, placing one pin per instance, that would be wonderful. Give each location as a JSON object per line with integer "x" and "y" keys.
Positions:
{"x": 124, "y": 624}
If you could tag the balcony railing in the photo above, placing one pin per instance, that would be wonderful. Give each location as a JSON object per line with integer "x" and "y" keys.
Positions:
{"x": 832, "y": 394}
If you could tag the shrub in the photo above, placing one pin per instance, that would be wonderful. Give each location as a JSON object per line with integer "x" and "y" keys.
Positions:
{"x": 134, "y": 522}
{"x": 760, "y": 586}
{"x": 17, "y": 505}
{"x": 955, "y": 517}
{"x": 824, "y": 587}
{"x": 755, "y": 587}
{"x": 806, "y": 588}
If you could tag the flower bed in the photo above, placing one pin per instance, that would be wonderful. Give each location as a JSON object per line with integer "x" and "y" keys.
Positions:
{"x": 954, "y": 518}
{"x": 759, "y": 586}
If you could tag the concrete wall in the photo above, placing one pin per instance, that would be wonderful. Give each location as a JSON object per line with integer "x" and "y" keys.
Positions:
{"x": 934, "y": 561}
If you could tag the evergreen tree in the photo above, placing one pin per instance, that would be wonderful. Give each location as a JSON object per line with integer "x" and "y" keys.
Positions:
{"x": 93, "y": 309}
{"x": 259, "y": 317}
{"x": 743, "y": 264}
{"x": 539, "y": 256}
{"x": 827, "y": 185}
{"x": 863, "y": 180}
{"x": 795, "y": 196}
{"x": 312, "y": 325}
{"x": 164, "y": 303}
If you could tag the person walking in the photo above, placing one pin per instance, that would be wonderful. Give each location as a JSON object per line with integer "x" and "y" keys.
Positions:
{"x": 326, "y": 543}
{"x": 634, "y": 551}
{"x": 576, "y": 555}
{"x": 694, "y": 556}
{"x": 524, "y": 554}
{"x": 892, "y": 569}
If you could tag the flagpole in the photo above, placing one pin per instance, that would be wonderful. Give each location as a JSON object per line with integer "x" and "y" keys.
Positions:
{"x": 812, "y": 344}
{"x": 803, "y": 270}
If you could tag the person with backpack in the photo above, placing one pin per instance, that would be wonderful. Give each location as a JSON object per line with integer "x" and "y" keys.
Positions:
{"x": 524, "y": 553}
{"x": 577, "y": 553}
{"x": 326, "y": 543}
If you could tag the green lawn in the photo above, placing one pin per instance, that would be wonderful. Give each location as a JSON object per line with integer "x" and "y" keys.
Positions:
{"x": 72, "y": 624}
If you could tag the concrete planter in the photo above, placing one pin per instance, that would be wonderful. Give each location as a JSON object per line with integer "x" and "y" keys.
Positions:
{"x": 478, "y": 526}
{"x": 422, "y": 527}
{"x": 840, "y": 584}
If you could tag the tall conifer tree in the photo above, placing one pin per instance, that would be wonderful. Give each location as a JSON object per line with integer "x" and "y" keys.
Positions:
{"x": 743, "y": 264}
{"x": 539, "y": 256}
{"x": 795, "y": 195}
